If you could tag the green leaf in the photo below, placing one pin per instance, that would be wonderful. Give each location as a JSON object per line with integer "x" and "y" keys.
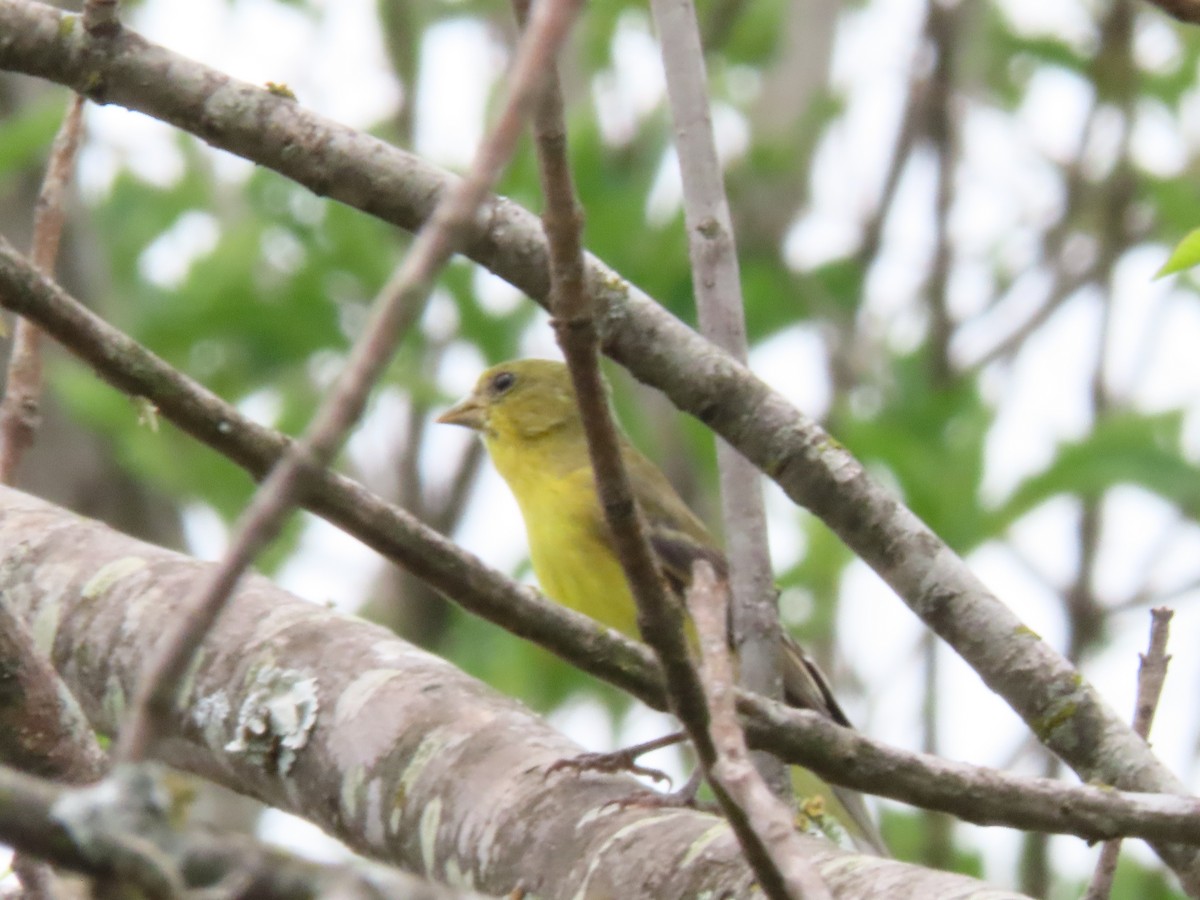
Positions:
{"x": 929, "y": 437}
{"x": 1185, "y": 255}
{"x": 26, "y": 134}
{"x": 1129, "y": 448}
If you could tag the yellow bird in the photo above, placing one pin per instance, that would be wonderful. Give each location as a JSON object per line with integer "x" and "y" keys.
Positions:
{"x": 530, "y": 422}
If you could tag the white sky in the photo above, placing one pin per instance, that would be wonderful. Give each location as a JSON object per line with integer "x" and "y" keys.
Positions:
{"x": 335, "y": 64}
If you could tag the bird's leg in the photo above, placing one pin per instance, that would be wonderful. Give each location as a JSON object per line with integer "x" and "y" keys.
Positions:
{"x": 621, "y": 760}
{"x": 685, "y": 796}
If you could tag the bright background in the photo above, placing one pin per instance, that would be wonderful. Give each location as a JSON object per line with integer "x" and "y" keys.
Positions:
{"x": 1031, "y": 390}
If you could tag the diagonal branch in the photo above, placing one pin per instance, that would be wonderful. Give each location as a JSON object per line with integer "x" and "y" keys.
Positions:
{"x": 399, "y": 305}
{"x": 660, "y": 619}
{"x": 20, "y": 412}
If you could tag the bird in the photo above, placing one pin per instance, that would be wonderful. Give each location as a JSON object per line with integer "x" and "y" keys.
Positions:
{"x": 527, "y": 414}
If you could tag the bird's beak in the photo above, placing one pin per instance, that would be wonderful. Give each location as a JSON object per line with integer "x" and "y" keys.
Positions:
{"x": 469, "y": 413}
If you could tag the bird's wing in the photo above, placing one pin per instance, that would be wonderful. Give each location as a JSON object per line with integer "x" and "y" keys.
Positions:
{"x": 678, "y": 539}
{"x": 805, "y": 685}
{"x": 676, "y": 535}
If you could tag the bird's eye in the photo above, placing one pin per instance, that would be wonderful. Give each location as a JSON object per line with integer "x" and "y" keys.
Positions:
{"x": 502, "y": 381}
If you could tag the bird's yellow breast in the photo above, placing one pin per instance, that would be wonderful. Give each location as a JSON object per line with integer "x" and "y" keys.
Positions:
{"x": 563, "y": 521}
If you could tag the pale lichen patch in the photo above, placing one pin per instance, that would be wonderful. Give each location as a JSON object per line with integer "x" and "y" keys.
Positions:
{"x": 431, "y": 747}
{"x": 113, "y": 702}
{"x": 702, "y": 843}
{"x": 357, "y": 694}
{"x": 187, "y": 683}
{"x": 352, "y": 784}
{"x": 431, "y": 818}
{"x": 276, "y": 718}
{"x": 456, "y": 876}
{"x": 110, "y": 573}
{"x": 210, "y": 714}
{"x": 596, "y": 813}
{"x": 272, "y": 628}
{"x": 620, "y": 834}
{"x": 373, "y": 819}
{"x": 45, "y": 625}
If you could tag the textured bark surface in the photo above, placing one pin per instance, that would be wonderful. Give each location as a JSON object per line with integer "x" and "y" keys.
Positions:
{"x": 393, "y": 750}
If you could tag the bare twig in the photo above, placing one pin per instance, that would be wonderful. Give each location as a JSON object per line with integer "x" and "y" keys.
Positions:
{"x": 1152, "y": 672}
{"x": 43, "y": 724}
{"x": 716, "y": 281}
{"x": 38, "y": 881}
{"x": 707, "y": 599}
{"x": 42, "y": 728}
{"x": 1184, "y": 10}
{"x": 43, "y": 732}
{"x": 100, "y": 17}
{"x": 20, "y": 412}
{"x": 660, "y": 620}
{"x": 397, "y": 307}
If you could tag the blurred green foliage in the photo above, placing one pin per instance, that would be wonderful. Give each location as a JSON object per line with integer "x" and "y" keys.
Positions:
{"x": 267, "y": 284}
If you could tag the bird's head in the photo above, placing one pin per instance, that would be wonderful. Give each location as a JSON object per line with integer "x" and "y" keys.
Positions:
{"x": 522, "y": 398}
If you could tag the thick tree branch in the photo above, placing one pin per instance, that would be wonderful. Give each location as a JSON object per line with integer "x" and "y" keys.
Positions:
{"x": 396, "y": 752}
{"x": 397, "y": 307}
{"x": 1061, "y": 707}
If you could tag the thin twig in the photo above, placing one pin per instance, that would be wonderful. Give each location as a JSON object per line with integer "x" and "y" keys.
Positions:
{"x": 1152, "y": 671}
{"x": 100, "y": 17}
{"x": 20, "y": 412}
{"x": 60, "y": 741}
{"x": 660, "y": 620}
{"x": 716, "y": 281}
{"x": 43, "y": 731}
{"x": 399, "y": 305}
{"x": 1184, "y": 10}
{"x": 708, "y": 602}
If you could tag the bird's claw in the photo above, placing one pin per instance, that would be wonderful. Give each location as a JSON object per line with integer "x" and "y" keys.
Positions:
{"x": 616, "y": 761}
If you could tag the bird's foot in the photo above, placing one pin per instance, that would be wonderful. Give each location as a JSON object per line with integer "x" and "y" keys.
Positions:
{"x": 684, "y": 798}
{"x": 620, "y": 760}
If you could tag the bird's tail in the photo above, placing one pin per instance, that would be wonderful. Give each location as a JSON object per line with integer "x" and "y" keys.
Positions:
{"x": 806, "y": 687}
